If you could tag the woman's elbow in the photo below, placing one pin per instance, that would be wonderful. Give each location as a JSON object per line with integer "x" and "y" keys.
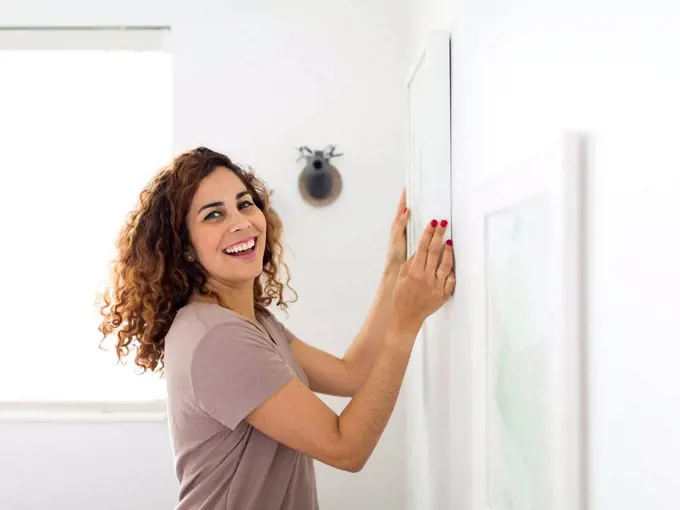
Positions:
{"x": 352, "y": 465}
{"x": 348, "y": 459}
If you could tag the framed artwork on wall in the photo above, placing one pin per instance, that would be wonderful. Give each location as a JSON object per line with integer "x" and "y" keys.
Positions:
{"x": 529, "y": 332}
{"x": 429, "y": 175}
{"x": 428, "y": 193}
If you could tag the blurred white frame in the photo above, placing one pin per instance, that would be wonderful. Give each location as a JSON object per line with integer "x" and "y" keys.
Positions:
{"x": 554, "y": 172}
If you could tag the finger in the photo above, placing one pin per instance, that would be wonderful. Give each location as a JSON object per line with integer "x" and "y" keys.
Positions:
{"x": 450, "y": 284}
{"x": 446, "y": 265}
{"x": 420, "y": 258}
{"x": 402, "y": 203}
{"x": 402, "y": 220}
{"x": 398, "y": 230}
{"x": 435, "y": 249}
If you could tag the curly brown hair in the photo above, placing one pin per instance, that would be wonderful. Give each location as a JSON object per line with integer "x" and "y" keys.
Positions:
{"x": 151, "y": 278}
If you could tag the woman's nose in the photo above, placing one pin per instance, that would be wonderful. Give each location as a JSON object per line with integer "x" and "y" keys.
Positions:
{"x": 238, "y": 223}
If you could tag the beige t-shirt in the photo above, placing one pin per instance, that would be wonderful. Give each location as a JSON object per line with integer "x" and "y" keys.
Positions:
{"x": 219, "y": 367}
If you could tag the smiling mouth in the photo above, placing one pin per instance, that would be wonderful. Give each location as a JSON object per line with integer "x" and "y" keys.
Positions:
{"x": 241, "y": 249}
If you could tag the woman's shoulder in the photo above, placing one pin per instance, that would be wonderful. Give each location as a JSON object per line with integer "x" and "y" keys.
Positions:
{"x": 278, "y": 325}
{"x": 213, "y": 318}
{"x": 195, "y": 320}
{"x": 210, "y": 315}
{"x": 200, "y": 318}
{"x": 200, "y": 324}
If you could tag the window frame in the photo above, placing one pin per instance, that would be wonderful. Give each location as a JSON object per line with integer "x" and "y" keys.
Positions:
{"x": 147, "y": 38}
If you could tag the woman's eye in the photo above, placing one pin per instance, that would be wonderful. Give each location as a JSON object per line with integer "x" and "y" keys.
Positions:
{"x": 245, "y": 204}
{"x": 211, "y": 215}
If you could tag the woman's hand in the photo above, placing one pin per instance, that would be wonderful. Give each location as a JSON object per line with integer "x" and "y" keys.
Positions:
{"x": 424, "y": 284}
{"x": 396, "y": 249}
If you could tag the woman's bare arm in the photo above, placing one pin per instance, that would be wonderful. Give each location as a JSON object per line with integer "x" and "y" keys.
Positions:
{"x": 296, "y": 417}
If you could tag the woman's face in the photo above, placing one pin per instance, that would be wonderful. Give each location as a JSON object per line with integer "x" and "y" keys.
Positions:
{"x": 226, "y": 229}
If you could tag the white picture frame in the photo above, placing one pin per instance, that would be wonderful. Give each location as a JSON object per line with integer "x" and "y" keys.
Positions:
{"x": 428, "y": 194}
{"x": 528, "y": 365}
{"x": 429, "y": 175}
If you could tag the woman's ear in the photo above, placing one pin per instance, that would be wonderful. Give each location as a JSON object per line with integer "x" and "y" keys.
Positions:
{"x": 190, "y": 255}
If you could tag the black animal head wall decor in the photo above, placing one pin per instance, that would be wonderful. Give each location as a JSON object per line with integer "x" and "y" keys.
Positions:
{"x": 320, "y": 182}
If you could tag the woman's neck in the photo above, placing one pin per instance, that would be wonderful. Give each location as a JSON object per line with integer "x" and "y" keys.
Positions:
{"x": 239, "y": 299}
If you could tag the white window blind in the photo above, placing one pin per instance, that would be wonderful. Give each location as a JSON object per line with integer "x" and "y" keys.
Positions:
{"x": 82, "y": 129}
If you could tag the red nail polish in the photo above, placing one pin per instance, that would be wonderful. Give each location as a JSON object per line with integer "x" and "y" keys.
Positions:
{"x": 434, "y": 223}
{"x": 444, "y": 223}
{"x": 449, "y": 242}
{"x": 405, "y": 209}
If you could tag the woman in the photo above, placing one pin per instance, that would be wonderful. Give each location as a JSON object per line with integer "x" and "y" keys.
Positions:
{"x": 197, "y": 268}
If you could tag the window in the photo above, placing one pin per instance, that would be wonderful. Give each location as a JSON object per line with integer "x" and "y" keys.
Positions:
{"x": 85, "y": 121}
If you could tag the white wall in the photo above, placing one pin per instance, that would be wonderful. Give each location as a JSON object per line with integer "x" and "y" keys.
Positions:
{"x": 524, "y": 69}
{"x": 254, "y": 79}
{"x": 61, "y": 466}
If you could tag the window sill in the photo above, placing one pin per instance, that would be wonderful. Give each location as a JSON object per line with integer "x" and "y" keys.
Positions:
{"x": 151, "y": 411}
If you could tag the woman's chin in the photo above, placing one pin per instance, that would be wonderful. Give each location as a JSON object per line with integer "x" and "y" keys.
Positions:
{"x": 238, "y": 270}
{"x": 245, "y": 274}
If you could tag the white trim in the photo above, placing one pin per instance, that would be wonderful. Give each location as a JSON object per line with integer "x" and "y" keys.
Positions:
{"x": 45, "y": 411}
{"x": 85, "y": 38}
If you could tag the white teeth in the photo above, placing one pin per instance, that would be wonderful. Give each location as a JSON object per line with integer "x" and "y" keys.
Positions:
{"x": 241, "y": 247}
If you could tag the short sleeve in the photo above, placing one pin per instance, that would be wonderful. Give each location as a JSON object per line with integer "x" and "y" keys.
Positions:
{"x": 234, "y": 369}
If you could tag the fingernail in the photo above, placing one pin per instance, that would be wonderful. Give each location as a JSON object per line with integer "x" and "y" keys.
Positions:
{"x": 444, "y": 223}
{"x": 405, "y": 209}
{"x": 449, "y": 242}
{"x": 433, "y": 223}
